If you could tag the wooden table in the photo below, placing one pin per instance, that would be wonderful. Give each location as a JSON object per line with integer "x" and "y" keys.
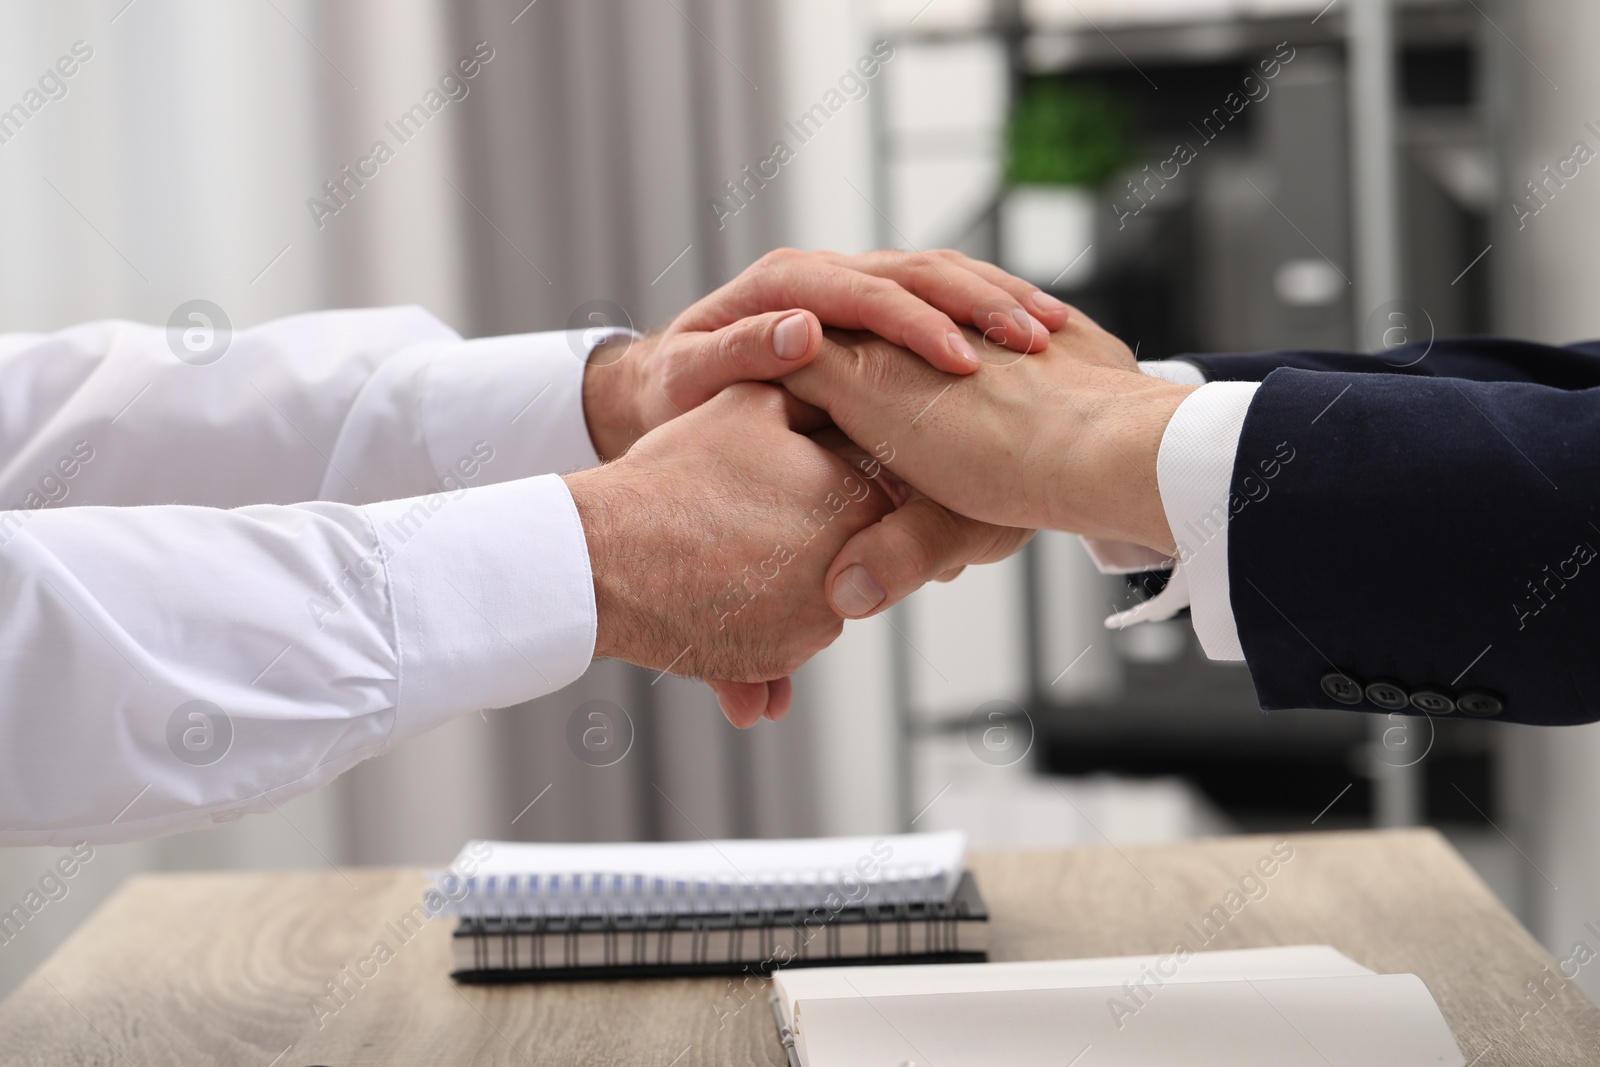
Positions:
{"x": 227, "y": 968}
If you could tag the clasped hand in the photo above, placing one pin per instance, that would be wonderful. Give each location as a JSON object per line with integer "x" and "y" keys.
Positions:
{"x": 736, "y": 525}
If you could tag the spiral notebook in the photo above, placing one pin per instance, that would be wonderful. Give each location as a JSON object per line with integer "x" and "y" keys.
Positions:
{"x": 537, "y": 912}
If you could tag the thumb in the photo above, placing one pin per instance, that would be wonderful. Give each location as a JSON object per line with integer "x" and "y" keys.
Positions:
{"x": 755, "y": 349}
{"x": 912, "y": 545}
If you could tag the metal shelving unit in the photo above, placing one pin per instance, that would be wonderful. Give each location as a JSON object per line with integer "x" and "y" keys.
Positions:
{"x": 1205, "y": 274}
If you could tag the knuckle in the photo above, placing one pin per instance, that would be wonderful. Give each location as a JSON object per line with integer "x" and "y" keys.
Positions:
{"x": 909, "y": 555}
{"x": 732, "y": 396}
{"x": 922, "y": 275}
{"x": 674, "y": 376}
{"x": 827, "y": 632}
{"x": 861, "y": 285}
{"x": 758, "y": 398}
{"x": 747, "y": 392}
{"x": 879, "y": 367}
{"x": 734, "y": 343}
{"x": 780, "y": 256}
{"x": 874, "y": 292}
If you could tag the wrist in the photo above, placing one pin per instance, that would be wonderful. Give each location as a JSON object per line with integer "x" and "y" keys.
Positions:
{"x": 1115, "y": 494}
{"x": 599, "y": 500}
{"x": 610, "y": 394}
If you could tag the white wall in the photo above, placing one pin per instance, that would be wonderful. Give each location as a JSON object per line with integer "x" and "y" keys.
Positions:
{"x": 1549, "y": 273}
{"x": 177, "y": 166}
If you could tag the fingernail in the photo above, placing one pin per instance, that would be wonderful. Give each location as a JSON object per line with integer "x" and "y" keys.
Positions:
{"x": 959, "y": 346}
{"x": 1027, "y": 323}
{"x": 792, "y": 337}
{"x": 856, "y": 592}
{"x": 1045, "y": 302}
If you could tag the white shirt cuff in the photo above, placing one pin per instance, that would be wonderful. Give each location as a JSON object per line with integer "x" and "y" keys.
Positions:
{"x": 1176, "y": 371}
{"x": 459, "y": 413}
{"x": 1124, "y": 557}
{"x": 522, "y": 394}
{"x": 1195, "y": 473}
{"x": 493, "y": 597}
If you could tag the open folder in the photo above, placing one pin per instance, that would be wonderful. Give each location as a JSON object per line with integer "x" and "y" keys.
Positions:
{"x": 1303, "y": 1006}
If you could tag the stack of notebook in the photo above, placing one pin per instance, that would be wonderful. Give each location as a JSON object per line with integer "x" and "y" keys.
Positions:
{"x": 537, "y": 912}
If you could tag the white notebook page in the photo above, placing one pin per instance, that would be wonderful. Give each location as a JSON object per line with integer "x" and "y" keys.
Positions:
{"x": 715, "y": 875}
{"x": 1360, "y": 1021}
{"x": 824, "y": 983}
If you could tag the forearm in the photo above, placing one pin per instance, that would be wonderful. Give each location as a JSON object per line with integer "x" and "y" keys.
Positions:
{"x": 154, "y": 421}
{"x": 1107, "y": 483}
{"x": 172, "y": 667}
{"x": 1483, "y": 359}
{"x": 353, "y": 406}
{"x": 1433, "y": 535}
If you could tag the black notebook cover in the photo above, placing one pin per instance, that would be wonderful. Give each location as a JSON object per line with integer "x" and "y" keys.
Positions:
{"x": 551, "y": 949}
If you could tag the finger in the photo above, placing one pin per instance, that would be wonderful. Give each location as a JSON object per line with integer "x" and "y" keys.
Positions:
{"x": 1003, "y": 313}
{"x": 833, "y": 378}
{"x": 867, "y": 465}
{"x": 891, "y": 559}
{"x": 744, "y": 703}
{"x": 1040, "y": 304}
{"x": 758, "y": 348}
{"x": 847, "y": 299}
{"x": 1007, "y": 289}
{"x": 780, "y": 696}
{"x": 803, "y": 417}
{"x": 763, "y": 401}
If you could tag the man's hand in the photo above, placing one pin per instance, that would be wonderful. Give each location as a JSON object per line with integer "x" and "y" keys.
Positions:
{"x": 918, "y": 542}
{"x": 709, "y": 541}
{"x": 768, "y": 321}
{"x": 1066, "y": 439}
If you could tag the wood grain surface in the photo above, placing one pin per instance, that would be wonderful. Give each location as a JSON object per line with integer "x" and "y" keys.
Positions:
{"x": 226, "y": 968}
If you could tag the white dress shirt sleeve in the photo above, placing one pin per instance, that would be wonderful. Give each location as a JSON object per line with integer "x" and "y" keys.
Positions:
{"x": 1194, "y": 474}
{"x": 1176, "y": 371}
{"x": 353, "y": 406}
{"x": 178, "y": 664}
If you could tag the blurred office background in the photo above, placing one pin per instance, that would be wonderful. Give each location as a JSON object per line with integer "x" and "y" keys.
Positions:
{"x": 582, "y": 166}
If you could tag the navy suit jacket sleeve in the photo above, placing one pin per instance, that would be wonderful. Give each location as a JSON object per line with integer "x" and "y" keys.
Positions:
{"x": 1479, "y": 359}
{"x": 1434, "y": 543}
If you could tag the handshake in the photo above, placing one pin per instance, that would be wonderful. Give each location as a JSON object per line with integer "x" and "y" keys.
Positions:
{"x": 819, "y": 438}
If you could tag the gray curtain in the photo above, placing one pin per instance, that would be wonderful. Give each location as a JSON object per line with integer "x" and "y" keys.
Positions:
{"x": 584, "y": 160}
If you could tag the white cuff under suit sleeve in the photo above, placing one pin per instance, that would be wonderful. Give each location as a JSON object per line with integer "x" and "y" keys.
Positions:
{"x": 1194, "y": 473}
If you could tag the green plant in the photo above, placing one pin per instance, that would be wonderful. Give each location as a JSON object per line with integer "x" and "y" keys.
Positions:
{"x": 1064, "y": 133}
